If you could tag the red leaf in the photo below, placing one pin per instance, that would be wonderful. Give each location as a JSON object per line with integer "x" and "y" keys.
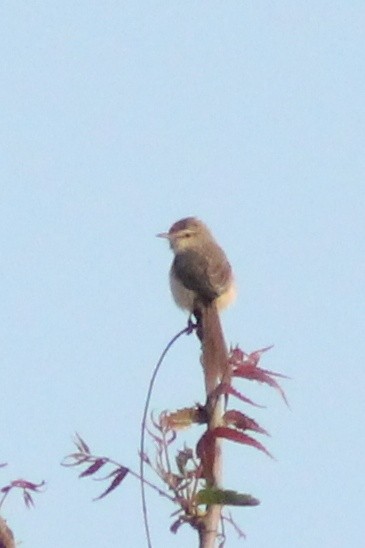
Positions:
{"x": 28, "y": 499}
{"x": 75, "y": 458}
{"x": 93, "y": 468}
{"x": 239, "y": 437}
{"x": 176, "y": 525}
{"x": 81, "y": 444}
{"x": 225, "y": 388}
{"x": 246, "y": 366}
{"x": 157, "y": 439}
{"x": 253, "y": 373}
{"x": 114, "y": 484}
{"x": 241, "y": 421}
{"x": 113, "y": 473}
{"x": 205, "y": 450}
{"x": 145, "y": 458}
{"x": 275, "y": 374}
{"x": 239, "y": 356}
{"x": 24, "y": 484}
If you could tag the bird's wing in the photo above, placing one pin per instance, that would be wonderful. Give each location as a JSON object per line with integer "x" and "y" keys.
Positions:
{"x": 205, "y": 271}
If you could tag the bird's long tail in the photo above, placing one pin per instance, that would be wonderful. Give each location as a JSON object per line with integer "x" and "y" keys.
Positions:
{"x": 214, "y": 348}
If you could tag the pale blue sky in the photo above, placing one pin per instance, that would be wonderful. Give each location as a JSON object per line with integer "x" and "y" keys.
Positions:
{"x": 116, "y": 119}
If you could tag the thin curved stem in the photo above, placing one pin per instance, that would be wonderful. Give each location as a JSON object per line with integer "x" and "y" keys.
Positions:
{"x": 186, "y": 330}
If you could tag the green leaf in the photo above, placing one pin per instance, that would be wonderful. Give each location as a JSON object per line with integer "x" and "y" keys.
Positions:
{"x": 225, "y": 497}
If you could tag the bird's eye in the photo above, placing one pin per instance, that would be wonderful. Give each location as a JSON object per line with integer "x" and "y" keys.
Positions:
{"x": 187, "y": 234}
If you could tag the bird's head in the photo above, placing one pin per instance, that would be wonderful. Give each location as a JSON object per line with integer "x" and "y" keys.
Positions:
{"x": 186, "y": 234}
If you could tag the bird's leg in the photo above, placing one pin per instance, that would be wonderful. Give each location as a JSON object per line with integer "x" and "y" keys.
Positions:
{"x": 191, "y": 324}
{"x": 199, "y": 325}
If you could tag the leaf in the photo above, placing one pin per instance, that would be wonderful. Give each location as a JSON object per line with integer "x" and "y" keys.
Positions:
{"x": 157, "y": 439}
{"x": 93, "y": 468}
{"x": 28, "y": 500}
{"x": 238, "y": 437}
{"x": 225, "y": 497}
{"x": 114, "y": 484}
{"x": 75, "y": 460}
{"x": 206, "y": 446}
{"x": 156, "y": 423}
{"x": 239, "y": 356}
{"x": 176, "y": 525}
{"x": 145, "y": 458}
{"x": 253, "y": 373}
{"x": 242, "y": 422}
{"x": 182, "y": 418}
{"x": 246, "y": 366}
{"x": 24, "y": 484}
{"x": 113, "y": 473}
{"x": 81, "y": 444}
{"x": 183, "y": 458}
{"x": 225, "y": 388}
{"x": 205, "y": 451}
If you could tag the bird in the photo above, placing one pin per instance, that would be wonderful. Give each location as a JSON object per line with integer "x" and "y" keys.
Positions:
{"x": 202, "y": 282}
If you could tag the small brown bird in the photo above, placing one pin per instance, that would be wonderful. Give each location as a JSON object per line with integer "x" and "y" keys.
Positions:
{"x": 201, "y": 281}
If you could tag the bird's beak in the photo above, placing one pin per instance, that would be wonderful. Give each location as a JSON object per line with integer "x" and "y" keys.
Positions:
{"x": 163, "y": 235}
